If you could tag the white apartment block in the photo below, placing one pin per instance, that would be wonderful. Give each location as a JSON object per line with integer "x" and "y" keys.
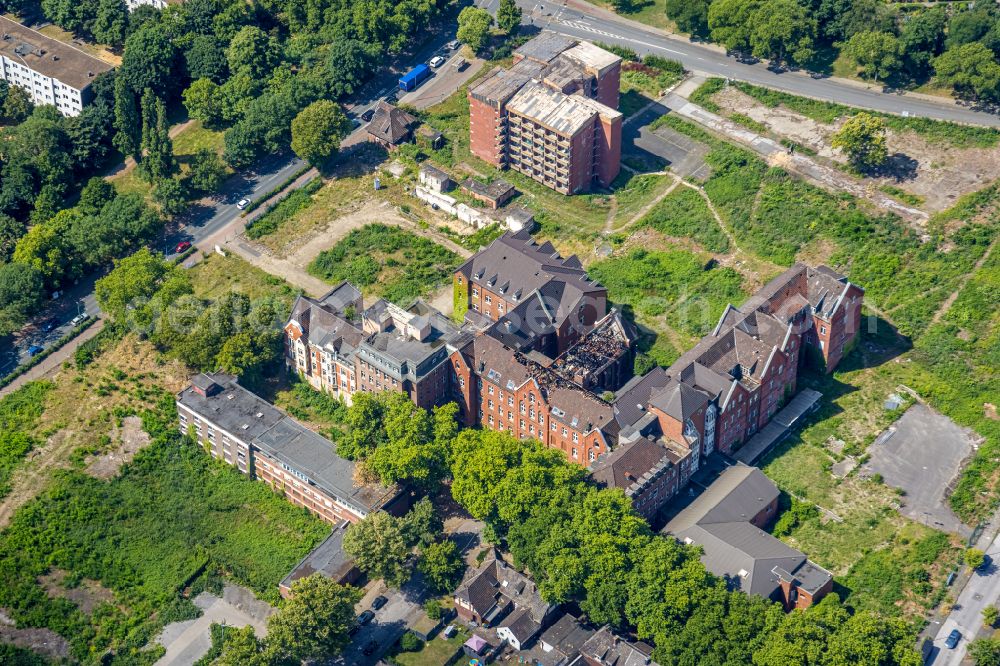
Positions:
{"x": 52, "y": 72}
{"x": 155, "y": 4}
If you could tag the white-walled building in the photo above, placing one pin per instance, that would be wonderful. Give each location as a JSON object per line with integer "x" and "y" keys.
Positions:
{"x": 52, "y": 72}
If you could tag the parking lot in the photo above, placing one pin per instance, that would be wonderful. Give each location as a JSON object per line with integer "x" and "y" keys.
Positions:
{"x": 923, "y": 455}
{"x": 663, "y": 147}
{"x": 403, "y": 608}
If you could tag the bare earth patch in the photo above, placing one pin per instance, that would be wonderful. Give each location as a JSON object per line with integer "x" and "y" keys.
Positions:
{"x": 127, "y": 441}
{"x": 937, "y": 172}
{"x": 43, "y": 641}
{"x": 88, "y": 595}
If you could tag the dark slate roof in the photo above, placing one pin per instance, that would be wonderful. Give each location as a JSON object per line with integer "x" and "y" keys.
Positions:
{"x": 738, "y": 494}
{"x": 678, "y": 400}
{"x": 390, "y": 123}
{"x": 628, "y": 462}
{"x": 566, "y": 636}
{"x": 341, "y": 296}
{"x": 631, "y": 399}
{"x": 328, "y": 559}
{"x": 743, "y": 554}
{"x": 496, "y": 583}
{"x": 608, "y": 649}
{"x": 718, "y": 521}
{"x": 521, "y": 624}
{"x": 809, "y": 576}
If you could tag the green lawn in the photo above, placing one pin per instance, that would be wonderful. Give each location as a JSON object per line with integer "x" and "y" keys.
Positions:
{"x": 197, "y": 137}
{"x": 435, "y": 652}
{"x": 634, "y": 192}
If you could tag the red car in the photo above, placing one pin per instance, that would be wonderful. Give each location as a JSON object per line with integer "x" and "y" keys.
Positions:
{"x": 183, "y": 245}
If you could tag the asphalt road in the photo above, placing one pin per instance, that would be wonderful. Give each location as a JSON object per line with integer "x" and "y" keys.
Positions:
{"x": 403, "y": 608}
{"x": 982, "y": 590}
{"x": 202, "y": 222}
{"x": 593, "y": 24}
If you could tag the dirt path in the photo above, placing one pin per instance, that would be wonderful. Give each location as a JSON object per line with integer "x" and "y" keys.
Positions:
{"x": 610, "y": 228}
{"x": 775, "y": 154}
{"x": 292, "y": 268}
{"x": 948, "y": 302}
{"x": 126, "y": 166}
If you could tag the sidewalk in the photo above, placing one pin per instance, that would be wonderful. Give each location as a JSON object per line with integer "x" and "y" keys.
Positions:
{"x": 54, "y": 360}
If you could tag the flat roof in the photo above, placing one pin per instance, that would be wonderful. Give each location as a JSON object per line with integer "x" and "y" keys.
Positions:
{"x": 592, "y": 57}
{"x": 546, "y": 46}
{"x": 562, "y": 113}
{"x": 49, "y": 56}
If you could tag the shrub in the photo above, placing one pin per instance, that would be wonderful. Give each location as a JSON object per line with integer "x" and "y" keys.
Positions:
{"x": 410, "y": 643}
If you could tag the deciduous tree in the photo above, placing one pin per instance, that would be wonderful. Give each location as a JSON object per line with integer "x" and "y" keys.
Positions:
{"x": 317, "y": 131}
{"x": 971, "y": 69}
{"x": 379, "y": 547}
{"x": 877, "y": 53}
{"x": 691, "y": 16}
{"x": 442, "y": 565}
{"x": 474, "y": 28}
{"x": 862, "y": 138}
{"x": 508, "y": 17}
{"x": 313, "y": 623}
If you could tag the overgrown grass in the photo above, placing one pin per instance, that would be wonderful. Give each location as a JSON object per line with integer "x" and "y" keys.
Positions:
{"x": 634, "y": 192}
{"x": 19, "y": 414}
{"x": 217, "y": 275}
{"x": 776, "y": 216}
{"x": 387, "y": 261}
{"x": 748, "y": 122}
{"x": 937, "y": 131}
{"x": 674, "y": 284}
{"x": 702, "y": 95}
{"x": 902, "y": 195}
{"x": 684, "y": 213}
{"x": 274, "y": 219}
{"x": 173, "y": 517}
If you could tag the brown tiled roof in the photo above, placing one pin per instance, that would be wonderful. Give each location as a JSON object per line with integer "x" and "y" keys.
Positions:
{"x": 390, "y": 123}
{"x": 627, "y": 463}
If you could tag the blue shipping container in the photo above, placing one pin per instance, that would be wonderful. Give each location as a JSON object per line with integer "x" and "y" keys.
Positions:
{"x": 415, "y": 77}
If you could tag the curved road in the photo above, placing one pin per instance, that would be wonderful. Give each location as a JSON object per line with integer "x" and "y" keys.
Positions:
{"x": 577, "y": 18}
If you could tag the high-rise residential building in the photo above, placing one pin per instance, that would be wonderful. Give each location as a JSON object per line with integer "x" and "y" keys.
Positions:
{"x": 553, "y": 115}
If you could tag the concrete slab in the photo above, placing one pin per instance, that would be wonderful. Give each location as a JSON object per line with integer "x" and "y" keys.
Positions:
{"x": 923, "y": 455}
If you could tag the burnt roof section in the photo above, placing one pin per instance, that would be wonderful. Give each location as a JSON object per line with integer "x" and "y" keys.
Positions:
{"x": 48, "y": 56}
{"x": 495, "y": 190}
{"x": 390, "y": 123}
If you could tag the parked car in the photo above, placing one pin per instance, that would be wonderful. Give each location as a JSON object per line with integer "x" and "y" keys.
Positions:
{"x": 48, "y": 325}
{"x": 242, "y": 203}
{"x": 436, "y": 62}
{"x": 182, "y": 246}
{"x": 953, "y": 638}
{"x": 378, "y": 602}
{"x": 79, "y": 319}
{"x": 460, "y": 64}
{"x": 453, "y": 44}
{"x": 365, "y": 618}
{"x": 368, "y": 115}
{"x": 370, "y": 648}
{"x": 35, "y": 350}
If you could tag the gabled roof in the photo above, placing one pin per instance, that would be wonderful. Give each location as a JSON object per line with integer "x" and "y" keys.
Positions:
{"x": 495, "y": 583}
{"x": 626, "y": 464}
{"x": 678, "y": 400}
{"x": 608, "y": 649}
{"x": 738, "y": 494}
